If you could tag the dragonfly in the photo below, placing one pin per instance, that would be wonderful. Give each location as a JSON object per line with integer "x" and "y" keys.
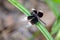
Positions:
{"x": 35, "y": 17}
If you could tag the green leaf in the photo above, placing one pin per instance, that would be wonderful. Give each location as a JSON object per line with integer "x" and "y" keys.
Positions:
{"x": 56, "y": 1}
{"x": 56, "y": 27}
{"x": 58, "y": 36}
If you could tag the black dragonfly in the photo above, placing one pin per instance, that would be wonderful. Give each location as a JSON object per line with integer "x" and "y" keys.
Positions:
{"x": 35, "y": 17}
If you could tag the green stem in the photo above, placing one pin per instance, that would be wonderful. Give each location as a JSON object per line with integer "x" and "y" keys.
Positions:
{"x": 20, "y": 7}
{"x": 44, "y": 31}
{"x": 27, "y": 13}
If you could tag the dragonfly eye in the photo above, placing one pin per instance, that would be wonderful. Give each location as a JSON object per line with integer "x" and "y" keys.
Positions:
{"x": 35, "y": 11}
{"x": 40, "y": 14}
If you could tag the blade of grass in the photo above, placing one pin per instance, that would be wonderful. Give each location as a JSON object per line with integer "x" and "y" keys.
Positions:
{"x": 44, "y": 31}
{"x": 58, "y": 36}
{"x": 27, "y": 13}
{"x": 55, "y": 28}
{"x": 55, "y": 9}
{"x": 20, "y": 7}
